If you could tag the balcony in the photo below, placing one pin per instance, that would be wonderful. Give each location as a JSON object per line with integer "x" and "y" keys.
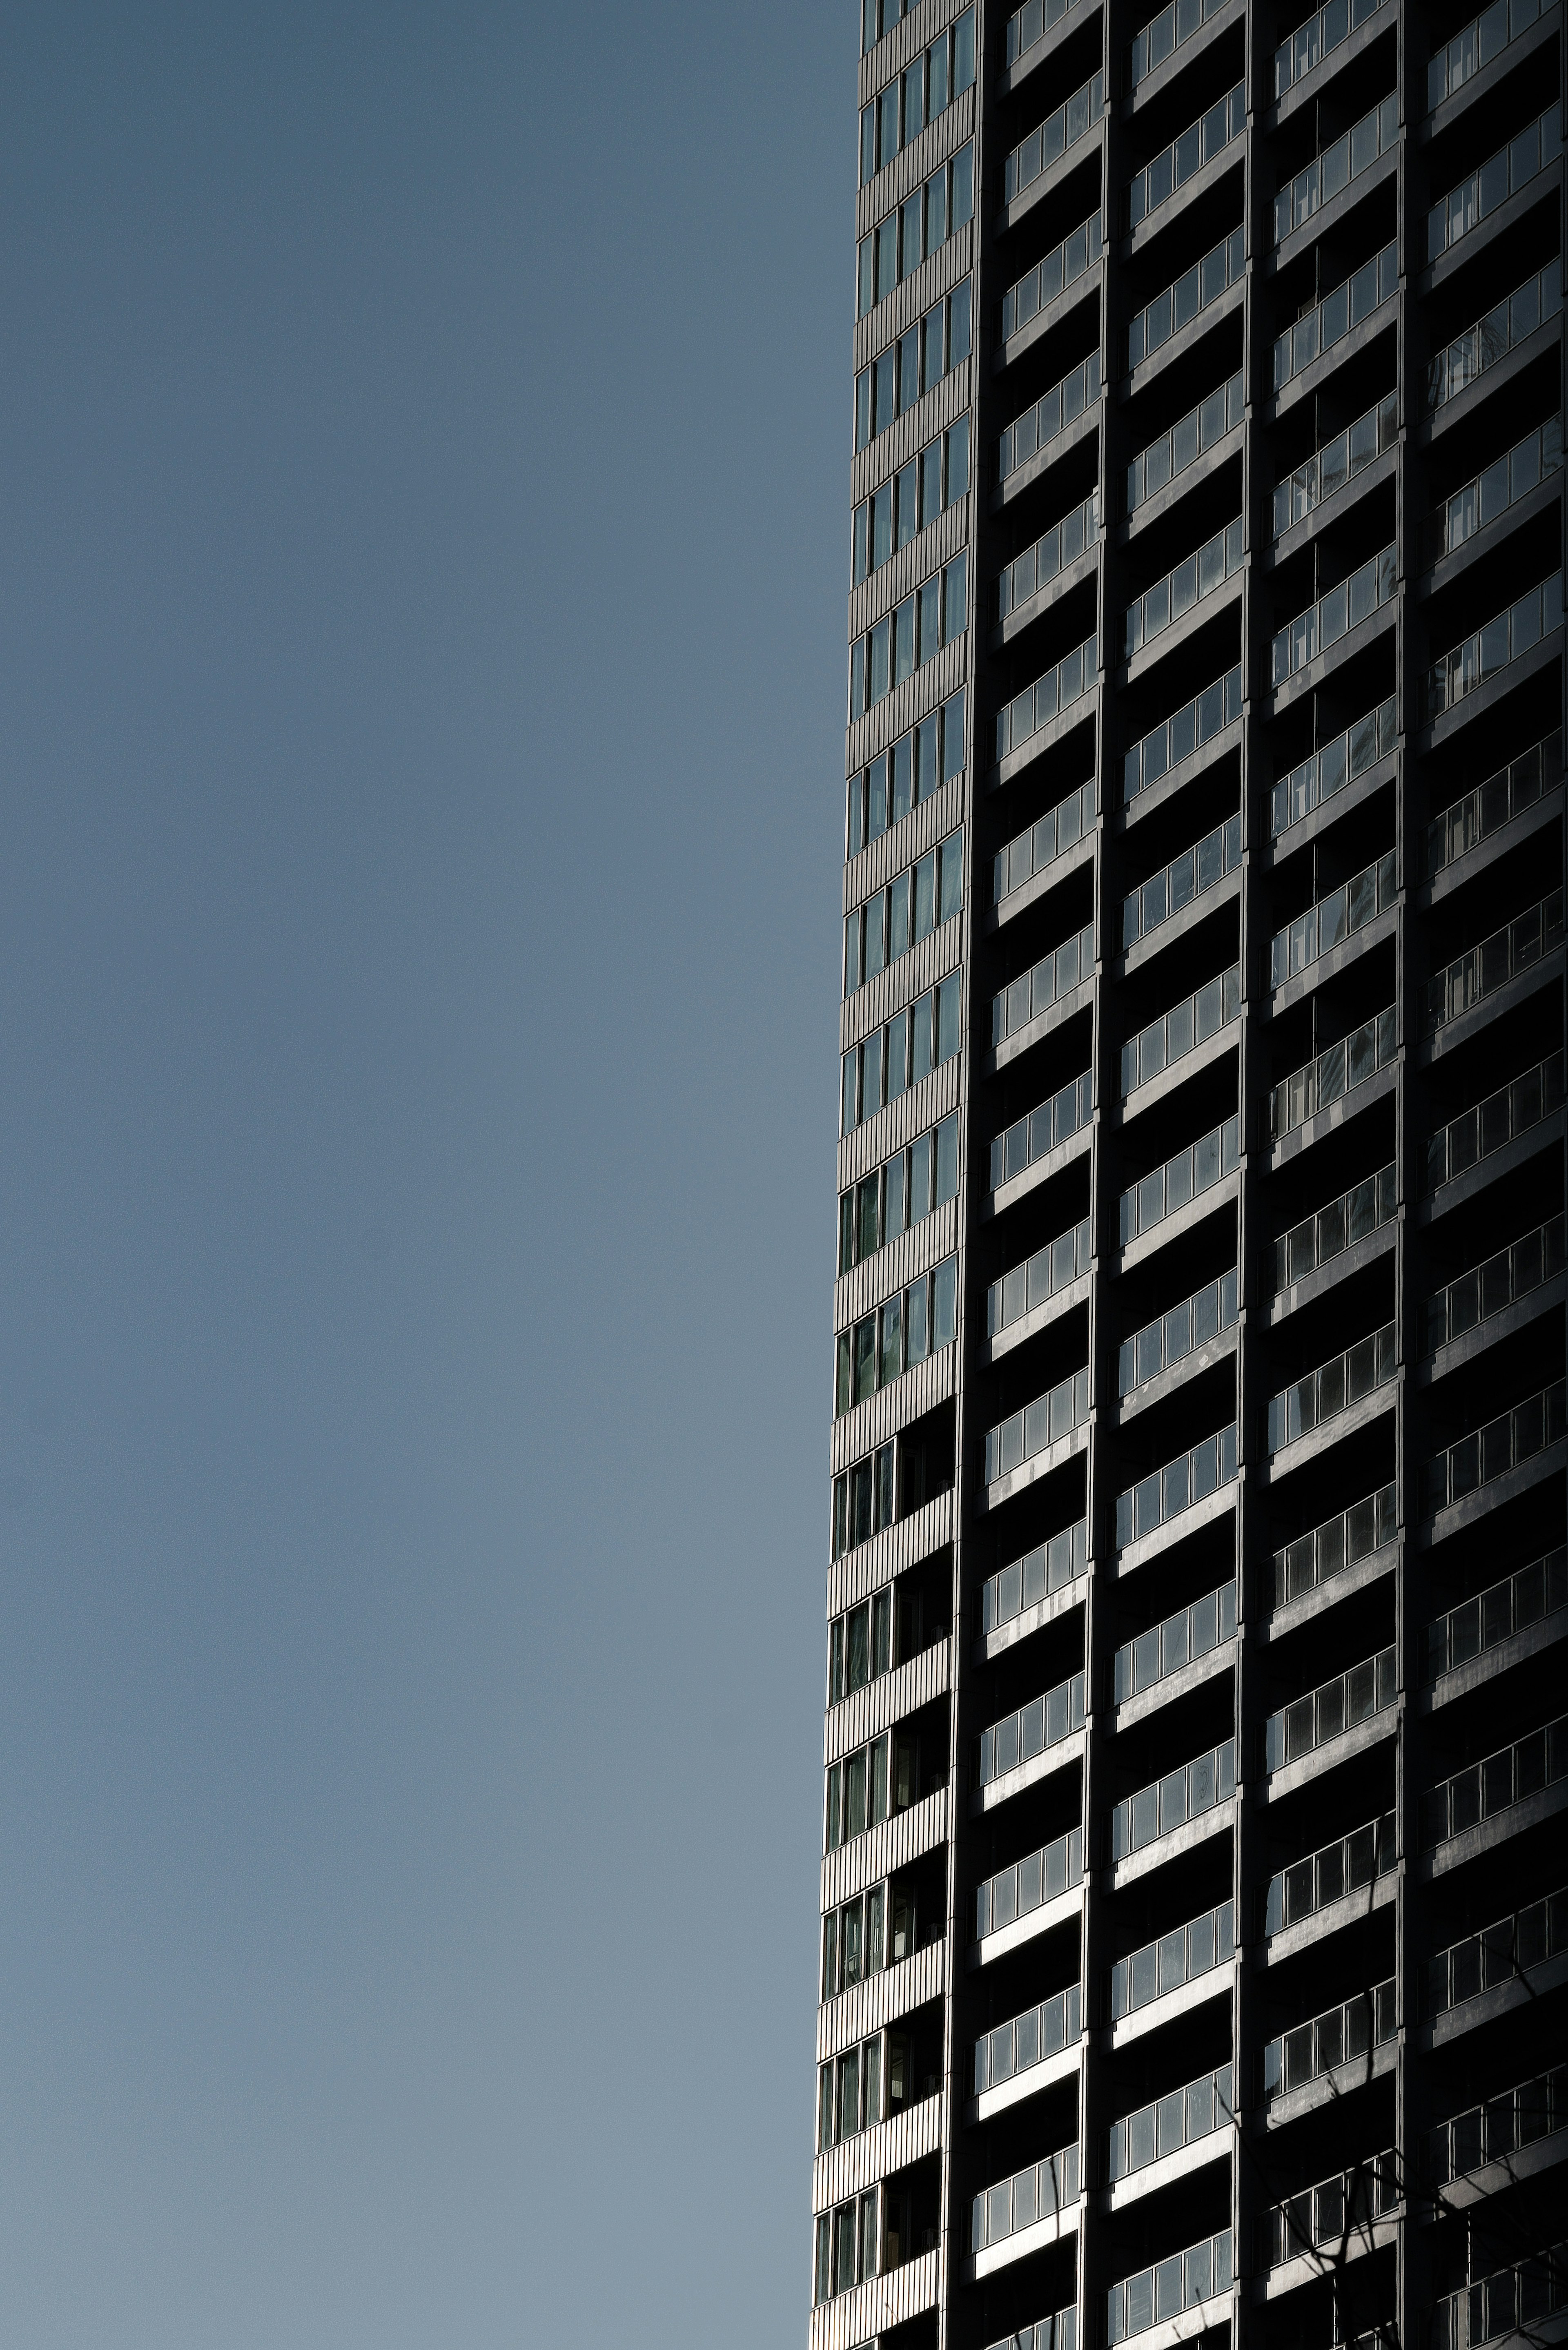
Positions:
{"x": 1216, "y": 1005}
{"x": 1195, "y": 291}
{"x": 1500, "y": 1955}
{"x": 1166, "y": 1190}
{"x": 1051, "y": 140}
{"x": 1025, "y": 1735}
{"x": 1476, "y": 44}
{"x": 1194, "y": 578}
{"x": 1325, "y": 2214}
{"x": 1318, "y": 1239}
{"x": 1034, "y": 2201}
{"x": 1323, "y": 624}
{"x": 1506, "y": 1277}
{"x": 1483, "y": 813}
{"x": 1334, "y": 920}
{"x": 1032, "y": 1284}
{"x": 1504, "y": 2126}
{"x": 1337, "y": 464}
{"x": 1512, "y": 2301}
{"x": 1188, "y": 730}
{"x": 1168, "y": 1804}
{"x": 1168, "y": 458}
{"x": 1328, "y": 174}
{"x": 1182, "y": 1639}
{"x": 1335, "y": 1547}
{"x": 1052, "y": 836}
{"x": 1029, "y": 997}
{"x": 1504, "y": 326}
{"x": 1029, "y": 1885}
{"x": 1072, "y": 679}
{"x": 1336, "y": 316}
{"x": 1030, "y": 1140}
{"x": 1483, "y": 968}
{"x": 1495, "y": 1615}
{"x": 1168, "y": 172}
{"x": 1354, "y": 753}
{"x": 1504, "y": 1443}
{"x": 1313, "y": 2051}
{"x": 1333, "y": 1388}
{"x": 1057, "y": 2332}
{"x": 1477, "y": 1134}
{"x": 1170, "y": 2124}
{"x": 1494, "y": 648}
{"x": 1509, "y": 479}
{"x": 1046, "y": 1422}
{"x": 1318, "y": 38}
{"x": 1326, "y": 1713}
{"x": 1353, "y": 1061}
{"x": 1173, "y": 1337}
{"x": 1028, "y": 2040}
{"x": 1160, "y": 2295}
{"x": 1530, "y": 153}
{"x": 1166, "y": 33}
{"x": 1056, "y": 549}
{"x": 1030, "y": 435}
{"x": 1347, "y": 1865}
{"x": 1485, "y": 1790}
{"x": 1158, "y": 1499}
{"x": 1028, "y": 25}
{"x": 1054, "y": 274}
{"x": 1169, "y": 1965}
{"x": 1051, "y": 1566}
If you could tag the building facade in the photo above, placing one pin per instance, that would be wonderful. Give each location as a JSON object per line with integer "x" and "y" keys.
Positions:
{"x": 1194, "y": 1884}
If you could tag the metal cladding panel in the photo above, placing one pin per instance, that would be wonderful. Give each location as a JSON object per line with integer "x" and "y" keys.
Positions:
{"x": 881, "y": 1850}
{"x": 882, "y": 1999}
{"x": 886, "y": 1700}
{"x": 875, "y": 2154}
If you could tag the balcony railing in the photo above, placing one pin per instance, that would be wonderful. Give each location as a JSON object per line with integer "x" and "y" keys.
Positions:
{"x": 1521, "y": 1599}
{"x": 1504, "y": 640}
{"x": 1041, "y": 2192}
{"x": 1513, "y": 1110}
{"x": 1192, "y": 1632}
{"x": 1055, "y": 1266}
{"x": 1037, "y": 1427}
{"x": 1352, "y": 1062}
{"x": 1468, "y": 822}
{"x": 1073, "y": 119}
{"x": 1180, "y": 1031}
{"x": 1201, "y": 2273}
{"x": 1336, "y": 314}
{"x": 1031, "y": 1138}
{"x": 1309, "y": 1722}
{"x": 1318, "y": 38}
{"x": 1028, "y": 2040}
{"x": 1185, "y": 442}
{"x": 1194, "y": 578}
{"x": 1170, "y": 170}
{"x": 1334, "y": 616}
{"x": 1483, "y": 968}
{"x": 1190, "y": 1477}
{"x": 1296, "y": 795}
{"x": 1186, "y": 731}
{"x": 1165, "y": 33}
{"x": 1192, "y": 292}
{"x": 1516, "y": 2300}
{"x": 1528, "y": 153}
{"x": 1050, "y": 1566}
{"x": 1339, "y": 461}
{"x": 1051, "y": 414}
{"x": 1484, "y": 1789}
{"x": 1177, "y": 1959}
{"x": 1051, "y": 553}
{"x": 1061, "y": 828}
{"x": 1331, "y": 1389}
{"x": 1171, "y": 1338}
{"x": 1342, "y": 1542}
{"x": 1044, "y": 1721}
{"x": 1180, "y": 1179}
{"x": 1170, "y": 2122}
{"x": 1037, "y": 989}
{"x": 1355, "y": 152}
{"x": 1029, "y": 1884}
{"x": 1030, "y": 24}
{"x": 1051, "y": 276}
{"x": 1491, "y": 2133}
{"x": 1168, "y": 1803}
{"x": 1057, "y": 2332}
{"x": 1318, "y": 1239}
{"x": 1186, "y": 878}
{"x": 1328, "y": 1874}
{"x": 1502, "y": 1444}
{"x": 1335, "y": 2037}
{"x": 1499, "y": 1954}
{"x": 1484, "y": 37}
{"x": 1334, "y": 919}
{"x": 1323, "y": 2214}
{"x": 1509, "y": 478}
{"x": 1506, "y": 324}
{"x": 1512, "y": 1272}
{"x": 1073, "y": 677}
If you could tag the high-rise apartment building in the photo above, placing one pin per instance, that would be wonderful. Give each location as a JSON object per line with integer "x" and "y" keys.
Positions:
{"x": 1195, "y": 1884}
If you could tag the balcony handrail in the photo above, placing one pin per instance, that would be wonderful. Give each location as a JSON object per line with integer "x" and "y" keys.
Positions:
{"x": 1030, "y": 24}
{"x": 1353, "y": 299}
{"x": 1505, "y": 638}
{"x": 1326, "y": 1712}
{"x": 1489, "y": 1452}
{"x": 1046, "y": 1421}
{"x": 1051, "y": 140}
{"x": 1059, "y": 2332}
{"x": 1025, "y": 2040}
{"x": 1162, "y": 33}
{"x": 1052, "y": 275}
{"x": 1321, "y": 2214}
{"x": 1351, "y": 153}
{"x": 1496, "y": 488}
{"x": 1202, "y": 2272}
{"x": 1499, "y": 1953}
{"x": 1168, "y": 2124}
{"x": 1513, "y": 1110}
{"x": 1049, "y": 556}
{"x": 1030, "y": 1729}
{"x": 1476, "y": 44}
{"x": 1493, "y": 336}
{"x": 1183, "y": 1956}
{"x": 1332, "y": 1387}
{"x": 1050, "y": 415}
{"x": 1340, "y": 1543}
{"x": 1319, "y": 1238}
{"x": 1327, "y": 1875}
{"x": 1049, "y": 1568}
{"x": 1192, "y": 1632}
{"x": 1483, "y": 968}
{"x": 1028, "y": 1884}
{"x": 1337, "y": 462}
{"x": 1214, "y": 1007}
{"x": 1509, "y": 1274}
{"x": 1505, "y": 2124}
{"x": 1168, "y": 1803}
{"x": 1481, "y": 1790}
{"x": 1185, "y": 879}
{"x": 1526, "y": 155}
{"x": 1337, "y": 1071}
{"x": 1187, "y": 297}
{"x": 1042, "y": 2190}
{"x": 1179, "y": 1180}
{"x": 1322, "y": 774}
{"x": 1168, "y": 172}
{"x": 1513, "y": 2299}
{"x": 1034, "y": 990}
{"x": 1184, "y": 587}
{"x": 1465, "y": 822}
{"x": 1049, "y": 696}
{"x": 1526, "y": 1597}
{"x": 1334, "y": 616}
{"x": 1060, "y": 827}
{"x": 1341, "y": 2033}
{"x": 1168, "y": 455}
{"x": 1172, "y": 1337}
{"x": 1055, "y": 1121}
{"x": 1053, "y": 1267}
{"x": 1191, "y": 1477}
{"x": 1185, "y": 731}
{"x": 1318, "y": 38}
{"x": 1334, "y": 919}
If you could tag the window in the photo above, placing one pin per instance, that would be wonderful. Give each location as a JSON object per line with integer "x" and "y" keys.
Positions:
{"x": 870, "y": 1784}
{"x": 866, "y": 2086}
{"x": 911, "y": 1326}
{"x": 908, "y": 637}
{"x": 887, "y": 520}
{"x": 900, "y": 1192}
{"x": 876, "y": 1929}
{"x": 884, "y": 792}
{"x": 846, "y": 2245}
{"x": 914, "y": 365}
{"x": 915, "y": 903}
{"x": 861, "y": 1646}
{"x": 921, "y": 225}
{"x": 918, "y": 95}
{"x": 898, "y": 1055}
{"x": 863, "y": 1499}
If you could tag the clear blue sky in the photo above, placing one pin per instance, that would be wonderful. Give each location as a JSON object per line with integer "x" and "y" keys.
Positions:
{"x": 424, "y": 542}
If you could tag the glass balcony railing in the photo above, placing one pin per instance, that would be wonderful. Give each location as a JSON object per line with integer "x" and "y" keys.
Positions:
{"x": 1171, "y": 599}
{"x": 1188, "y": 730}
{"x": 1512, "y": 1437}
{"x": 1483, "y": 968}
{"x": 1336, "y": 314}
{"x": 1339, "y": 461}
{"x": 1043, "y": 1722}
{"x": 1350, "y": 755}
{"x": 1484, "y": 1789}
{"x": 1334, "y": 919}
{"x": 1491, "y": 2133}
{"x": 1352, "y": 1062}
{"x": 1041, "y": 2192}
{"x": 1476, "y": 44}
{"x": 1177, "y": 885}
{"x": 1512, "y": 1272}
{"x": 1500, "y": 1953}
{"x": 1073, "y": 119}
{"x": 1165, "y": 33}
{"x": 1504, "y": 640}
{"x": 1061, "y": 828}
{"x": 1057, "y": 2332}
{"x": 1468, "y": 822}
{"x": 1044, "y": 1130}
{"x": 1318, "y": 1239}
{"x": 1168, "y": 1803}
{"x": 1013, "y": 1893}
{"x": 1521, "y": 1599}
{"x": 1050, "y": 555}
{"x": 1055, "y": 1267}
{"x": 1318, "y": 38}
{"x": 1512, "y": 2301}
{"x": 1341, "y": 1541}
{"x": 1170, "y": 170}
{"x": 1491, "y": 338}
{"x": 1185, "y": 1178}
{"x": 1176, "y": 1959}
{"x": 1049, "y": 1568}
{"x": 1334, "y": 616}
{"x": 1028, "y": 2040}
{"x": 1171, "y": 1338}
{"x": 1193, "y": 292}
{"x": 1327, "y": 1876}
{"x": 1166, "y": 1492}
{"x": 1324, "y": 1713}
{"x": 1053, "y": 977}
{"x": 1320, "y": 2215}
{"x": 1353, "y": 152}
{"x": 1192, "y": 1632}
{"x": 1168, "y": 2124}
{"x": 1528, "y": 153}
{"x": 1049, "y": 697}
{"x": 1334, "y": 2038}
{"x": 1186, "y": 2279}
{"x": 1476, "y": 1133}
{"x": 1030, "y": 24}
{"x": 1181, "y": 1030}
{"x": 1535, "y": 459}
{"x": 1331, "y": 1389}
{"x": 1040, "y": 1425}
{"x": 1186, "y": 442}
{"x": 1051, "y": 276}
{"x": 1051, "y": 414}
